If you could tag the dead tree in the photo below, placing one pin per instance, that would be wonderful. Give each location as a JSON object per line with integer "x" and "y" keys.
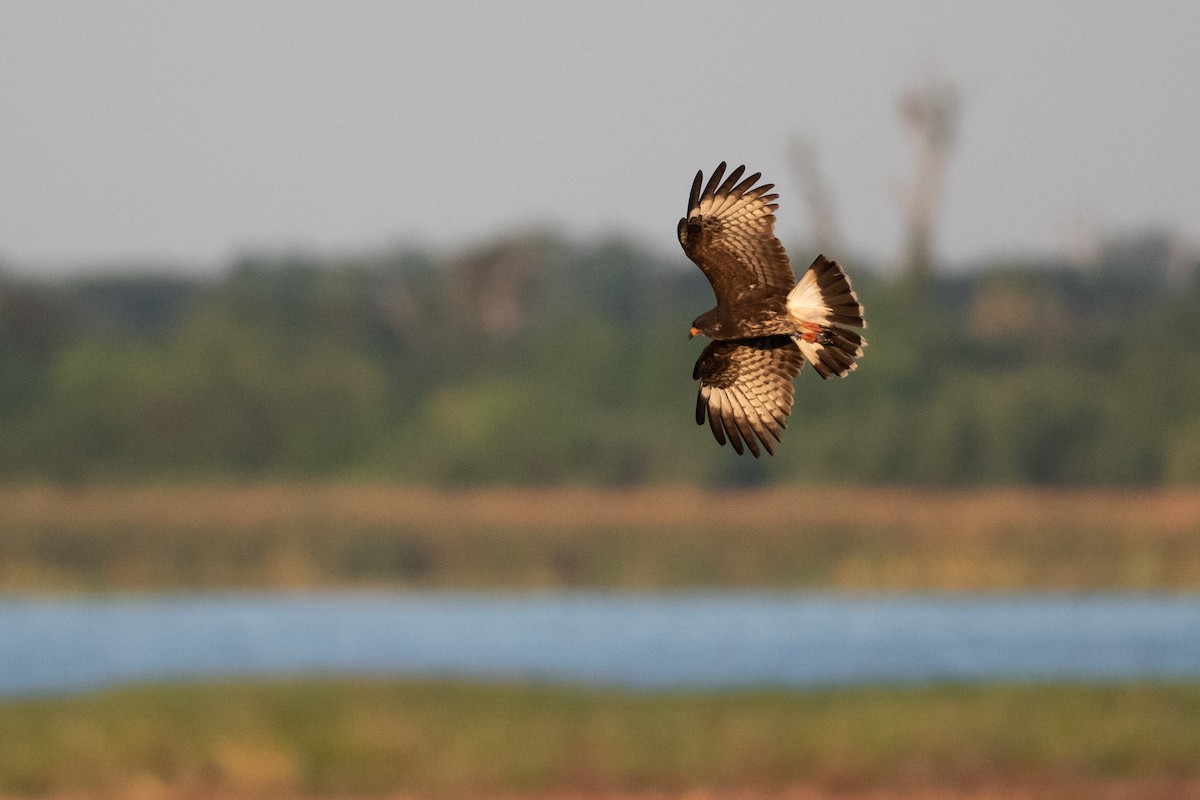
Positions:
{"x": 822, "y": 215}
{"x": 931, "y": 114}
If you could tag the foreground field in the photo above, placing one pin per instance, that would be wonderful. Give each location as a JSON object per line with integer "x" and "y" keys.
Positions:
{"x": 1060, "y": 788}
{"x": 295, "y": 536}
{"x": 374, "y": 738}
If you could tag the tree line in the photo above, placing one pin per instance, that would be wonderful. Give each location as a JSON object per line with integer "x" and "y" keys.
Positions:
{"x": 538, "y": 361}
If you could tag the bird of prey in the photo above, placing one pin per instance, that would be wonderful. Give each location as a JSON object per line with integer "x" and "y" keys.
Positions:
{"x": 765, "y": 325}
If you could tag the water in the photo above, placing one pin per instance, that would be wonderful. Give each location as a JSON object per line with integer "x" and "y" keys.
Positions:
{"x": 657, "y": 640}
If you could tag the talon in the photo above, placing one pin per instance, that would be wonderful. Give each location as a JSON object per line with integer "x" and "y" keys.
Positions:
{"x": 811, "y": 332}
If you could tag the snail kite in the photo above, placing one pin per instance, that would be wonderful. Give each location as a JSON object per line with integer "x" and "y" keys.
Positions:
{"x": 765, "y": 325}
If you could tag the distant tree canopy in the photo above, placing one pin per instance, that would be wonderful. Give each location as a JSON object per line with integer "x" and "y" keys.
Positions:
{"x": 539, "y": 361}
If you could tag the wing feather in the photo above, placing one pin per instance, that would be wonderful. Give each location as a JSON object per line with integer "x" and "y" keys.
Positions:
{"x": 746, "y": 390}
{"x": 743, "y": 412}
{"x": 729, "y": 232}
{"x": 710, "y": 188}
{"x": 729, "y": 423}
{"x": 694, "y": 195}
{"x": 714, "y": 420}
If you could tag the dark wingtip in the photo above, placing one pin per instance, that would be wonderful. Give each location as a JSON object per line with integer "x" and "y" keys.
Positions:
{"x": 694, "y": 195}
{"x": 714, "y": 180}
{"x": 733, "y": 178}
{"x": 745, "y": 185}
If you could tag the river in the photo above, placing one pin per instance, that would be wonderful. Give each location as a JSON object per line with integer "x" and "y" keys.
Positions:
{"x": 680, "y": 640}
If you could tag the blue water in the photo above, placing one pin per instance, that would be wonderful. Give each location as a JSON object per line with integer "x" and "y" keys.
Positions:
{"x": 657, "y": 640}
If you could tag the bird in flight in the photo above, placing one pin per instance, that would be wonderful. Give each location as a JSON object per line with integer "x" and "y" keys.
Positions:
{"x": 765, "y": 324}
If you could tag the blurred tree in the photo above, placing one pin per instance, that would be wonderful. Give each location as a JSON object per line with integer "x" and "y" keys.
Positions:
{"x": 538, "y": 361}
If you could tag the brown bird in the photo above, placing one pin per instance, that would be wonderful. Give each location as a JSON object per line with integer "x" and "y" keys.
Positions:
{"x": 765, "y": 325}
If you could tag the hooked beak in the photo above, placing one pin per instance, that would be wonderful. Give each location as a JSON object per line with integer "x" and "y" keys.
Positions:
{"x": 695, "y": 331}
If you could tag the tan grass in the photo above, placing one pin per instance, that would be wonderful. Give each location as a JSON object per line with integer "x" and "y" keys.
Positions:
{"x": 1015, "y": 788}
{"x": 1158, "y": 512}
{"x": 314, "y": 535}
{"x": 506, "y": 740}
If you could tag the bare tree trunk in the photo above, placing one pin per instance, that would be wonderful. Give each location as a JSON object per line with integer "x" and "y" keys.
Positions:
{"x": 931, "y": 114}
{"x": 822, "y": 215}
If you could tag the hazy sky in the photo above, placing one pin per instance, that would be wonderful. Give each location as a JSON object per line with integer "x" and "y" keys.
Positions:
{"x": 187, "y": 132}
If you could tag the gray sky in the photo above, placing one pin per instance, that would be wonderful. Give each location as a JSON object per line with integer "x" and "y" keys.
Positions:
{"x": 189, "y": 132}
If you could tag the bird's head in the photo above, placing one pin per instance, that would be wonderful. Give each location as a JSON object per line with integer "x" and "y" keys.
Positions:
{"x": 708, "y": 324}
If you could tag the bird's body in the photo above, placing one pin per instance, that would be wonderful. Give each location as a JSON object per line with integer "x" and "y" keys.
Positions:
{"x": 765, "y": 325}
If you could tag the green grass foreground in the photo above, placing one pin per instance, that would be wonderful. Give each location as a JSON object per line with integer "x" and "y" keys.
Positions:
{"x": 274, "y": 536}
{"x": 371, "y": 738}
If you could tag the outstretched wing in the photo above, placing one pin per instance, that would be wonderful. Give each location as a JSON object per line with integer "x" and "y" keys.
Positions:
{"x": 730, "y": 233}
{"x": 746, "y": 390}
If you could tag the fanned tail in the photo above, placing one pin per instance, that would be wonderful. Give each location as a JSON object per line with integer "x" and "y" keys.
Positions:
{"x": 825, "y": 308}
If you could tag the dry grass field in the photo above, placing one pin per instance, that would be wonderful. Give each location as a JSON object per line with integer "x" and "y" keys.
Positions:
{"x": 320, "y": 535}
{"x": 374, "y": 738}
{"x": 1046, "y": 788}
